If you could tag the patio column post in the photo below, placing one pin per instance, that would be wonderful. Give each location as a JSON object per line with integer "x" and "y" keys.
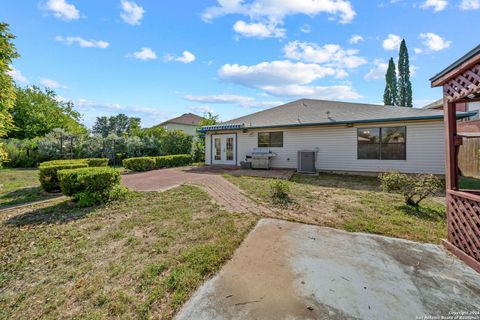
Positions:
{"x": 451, "y": 165}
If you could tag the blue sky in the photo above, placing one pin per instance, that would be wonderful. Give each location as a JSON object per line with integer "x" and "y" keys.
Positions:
{"x": 158, "y": 59}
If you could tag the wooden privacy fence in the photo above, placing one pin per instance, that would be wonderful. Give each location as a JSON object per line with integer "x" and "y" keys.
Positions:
{"x": 469, "y": 157}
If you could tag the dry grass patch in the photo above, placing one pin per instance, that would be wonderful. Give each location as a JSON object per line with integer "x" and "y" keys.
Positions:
{"x": 138, "y": 258}
{"x": 353, "y": 203}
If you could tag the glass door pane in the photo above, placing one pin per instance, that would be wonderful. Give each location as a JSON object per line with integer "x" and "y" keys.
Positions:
{"x": 229, "y": 149}
{"x": 218, "y": 149}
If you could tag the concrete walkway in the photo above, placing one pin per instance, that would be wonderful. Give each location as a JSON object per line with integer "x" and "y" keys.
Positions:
{"x": 287, "y": 270}
{"x": 222, "y": 191}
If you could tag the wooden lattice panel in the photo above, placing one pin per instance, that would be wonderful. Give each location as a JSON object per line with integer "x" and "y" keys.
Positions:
{"x": 464, "y": 84}
{"x": 464, "y": 224}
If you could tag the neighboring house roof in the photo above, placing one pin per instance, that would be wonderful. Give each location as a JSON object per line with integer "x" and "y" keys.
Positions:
{"x": 186, "y": 118}
{"x": 434, "y": 105}
{"x": 307, "y": 112}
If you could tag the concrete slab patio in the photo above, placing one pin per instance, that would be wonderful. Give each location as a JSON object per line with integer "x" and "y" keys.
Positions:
{"x": 287, "y": 270}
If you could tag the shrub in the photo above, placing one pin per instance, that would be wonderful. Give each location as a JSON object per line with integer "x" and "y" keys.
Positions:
{"x": 96, "y": 162}
{"x": 177, "y": 160}
{"x": 48, "y": 173}
{"x": 279, "y": 191}
{"x": 89, "y": 186}
{"x": 413, "y": 188}
{"x": 151, "y": 163}
{"x": 140, "y": 163}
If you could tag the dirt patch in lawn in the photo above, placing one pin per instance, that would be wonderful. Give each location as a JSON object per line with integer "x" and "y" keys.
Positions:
{"x": 139, "y": 258}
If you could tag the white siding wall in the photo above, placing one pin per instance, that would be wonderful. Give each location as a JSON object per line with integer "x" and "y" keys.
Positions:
{"x": 337, "y": 148}
{"x": 208, "y": 141}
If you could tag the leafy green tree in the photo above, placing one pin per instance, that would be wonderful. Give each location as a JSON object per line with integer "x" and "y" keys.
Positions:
{"x": 119, "y": 125}
{"x": 8, "y": 52}
{"x": 176, "y": 142}
{"x": 404, "y": 84}
{"x": 390, "y": 94}
{"x": 37, "y": 112}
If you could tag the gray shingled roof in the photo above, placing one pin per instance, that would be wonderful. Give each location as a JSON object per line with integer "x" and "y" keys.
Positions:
{"x": 309, "y": 111}
{"x": 186, "y": 118}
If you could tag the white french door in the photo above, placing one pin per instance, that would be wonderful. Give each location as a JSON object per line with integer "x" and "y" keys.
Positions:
{"x": 224, "y": 149}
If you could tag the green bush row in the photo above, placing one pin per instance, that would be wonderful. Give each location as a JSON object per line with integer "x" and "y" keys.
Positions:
{"x": 91, "y": 185}
{"x": 48, "y": 170}
{"x": 151, "y": 163}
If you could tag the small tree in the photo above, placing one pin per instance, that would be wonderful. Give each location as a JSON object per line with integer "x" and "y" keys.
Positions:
{"x": 413, "y": 188}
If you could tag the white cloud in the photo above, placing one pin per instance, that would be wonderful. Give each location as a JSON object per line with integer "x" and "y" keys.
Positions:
{"x": 418, "y": 50}
{"x": 470, "y": 5}
{"x": 437, "y": 5}
{"x": 62, "y": 9}
{"x": 243, "y": 101}
{"x": 52, "y": 84}
{"x": 186, "y": 57}
{"x": 144, "y": 54}
{"x": 377, "y": 72}
{"x": 132, "y": 13}
{"x": 355, "y": 39}
{"x": 258, "y": 30}
{"x": 285, "y": 78}
{"x": 17, "y": 76}
{"x": 274, "y": 73}
{"x": 201, "y": 109}
{"x": 331, "y": 55}
{"x": 306, "y": 28}
{"x": 278, "y": 10}
{"x": 83, "y": 42}
{"x": 434, "y": 42}
{"x": 392, "y": 42}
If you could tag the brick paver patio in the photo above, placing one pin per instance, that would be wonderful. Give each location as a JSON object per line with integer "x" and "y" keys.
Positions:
{"x": 222, "y": 191}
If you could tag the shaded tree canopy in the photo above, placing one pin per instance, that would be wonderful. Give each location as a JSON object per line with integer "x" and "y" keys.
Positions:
{"x": 37, "y": 112}
{"x": 119, "y": 125}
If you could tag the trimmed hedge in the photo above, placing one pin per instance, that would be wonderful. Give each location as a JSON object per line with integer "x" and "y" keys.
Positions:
{"x": 91, "y": 185}
{"x": 48, "y": 173}
{"x": 48, "y": 170}
{"x": 151, "y": 163}
{"x": 140, "y": 163}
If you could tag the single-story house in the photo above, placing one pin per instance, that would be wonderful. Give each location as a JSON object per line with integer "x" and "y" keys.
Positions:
{"x": 342, "y": 136}
{"x": 187, "y": 122}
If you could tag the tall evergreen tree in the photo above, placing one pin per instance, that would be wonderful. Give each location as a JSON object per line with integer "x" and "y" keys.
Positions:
{"x": 390, "y": 97}
{"x": 404, "y": 84}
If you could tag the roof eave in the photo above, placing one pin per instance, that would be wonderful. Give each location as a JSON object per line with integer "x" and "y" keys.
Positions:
{"x": 350, "y": 122}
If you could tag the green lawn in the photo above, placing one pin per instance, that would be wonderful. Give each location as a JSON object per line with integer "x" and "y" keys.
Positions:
{"x": 352, "y": 203}
{"x": 139, "y": 258}
{"x": 20, "y": 186}
{"x": 469, "y": 183}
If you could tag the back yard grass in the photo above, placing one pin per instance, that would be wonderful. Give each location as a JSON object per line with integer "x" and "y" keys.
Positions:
{"x": 139, "y": 258}
{"x": 353, "y": 203}
{"x": 20, "y": 186}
